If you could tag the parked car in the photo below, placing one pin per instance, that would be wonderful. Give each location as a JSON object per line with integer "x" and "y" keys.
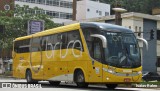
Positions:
{"x": 151, "y": 76}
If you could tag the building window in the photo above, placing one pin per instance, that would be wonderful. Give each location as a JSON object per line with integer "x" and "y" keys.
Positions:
{"x": 32, "y": 1}
{"x": 158, "y": 62}
{"x": 136, "y": 29}
{"x": 106, "y": 13}
{"x": 140, "y": 30}
{"x": 65, "y": 15}
{"x": 40, "y": 2}
{"x": 38, "y": 11}
{"x": 55, "y": 3}
{"x": 88, "y": 10}
{"x": 100, "y": 12}
{"x": 65, "y": 4}
{"x": 61, "y": 15}
{"x": 47, "y": 2}
{"x": 129, "y": 27}
{"x": 96, "y": 11}
{"x": 158, "y": 34}
{"x": 58, "y": 3}
{"x": 53, "y": 13}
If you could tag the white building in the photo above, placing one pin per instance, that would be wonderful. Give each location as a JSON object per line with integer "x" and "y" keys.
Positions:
{"x": 61, "y": 10}
{"x": 86, "y": 9}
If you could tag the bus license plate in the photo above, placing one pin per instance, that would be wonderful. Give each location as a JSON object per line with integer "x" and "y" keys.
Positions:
{"x": 127, "y": 79}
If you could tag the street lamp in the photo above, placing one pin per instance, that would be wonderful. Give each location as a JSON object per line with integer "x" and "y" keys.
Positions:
{"x": 118, "y": 12}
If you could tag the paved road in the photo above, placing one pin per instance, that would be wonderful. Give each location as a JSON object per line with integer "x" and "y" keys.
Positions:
{"x": 67, "y": 87}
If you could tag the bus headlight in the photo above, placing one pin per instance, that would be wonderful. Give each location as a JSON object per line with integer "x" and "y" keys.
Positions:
{"x": 139, "y": 72}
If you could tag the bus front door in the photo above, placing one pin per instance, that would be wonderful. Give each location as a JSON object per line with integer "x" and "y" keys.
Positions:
{"x": 95, "y": 70}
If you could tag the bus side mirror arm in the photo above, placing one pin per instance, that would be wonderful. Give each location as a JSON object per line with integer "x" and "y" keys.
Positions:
{"x": 103, "y": 38}
{"x": 145, "y": 41}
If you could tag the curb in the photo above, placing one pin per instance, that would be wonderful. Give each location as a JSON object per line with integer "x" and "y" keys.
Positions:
{"x": 2, "y": 76}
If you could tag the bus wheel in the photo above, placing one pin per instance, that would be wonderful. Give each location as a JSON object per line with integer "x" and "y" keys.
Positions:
{"x": 111, "y": 86}
{"x": 80, "y": 80}
{"x": 29, "y": 77}
{"x": 55, "y": 83}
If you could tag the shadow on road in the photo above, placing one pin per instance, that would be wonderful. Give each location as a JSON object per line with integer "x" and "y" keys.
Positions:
{"x": 90, "y": 88}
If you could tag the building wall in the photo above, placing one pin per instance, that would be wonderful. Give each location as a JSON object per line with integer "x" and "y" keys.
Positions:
{"x": 81, "y": 10}
{"x": 136, "y": 25}
{"x": 89, "y": 9}
{"x": 96, "y": 9}
{"x": 150, "y": 55}
{"x": 61, "y": 11}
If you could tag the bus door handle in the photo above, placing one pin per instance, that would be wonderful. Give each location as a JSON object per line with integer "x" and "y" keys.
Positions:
{"x": 60, "y": 68}
{"x": 48, "y": 68}
{"x": 38, "y": 68}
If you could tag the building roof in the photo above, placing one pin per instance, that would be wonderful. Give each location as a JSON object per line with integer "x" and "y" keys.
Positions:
{"x": 124, "y": 15}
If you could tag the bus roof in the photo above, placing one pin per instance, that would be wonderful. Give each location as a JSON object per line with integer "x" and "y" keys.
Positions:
{"x": 102, "y": 26}
{"x": 106, "y": 27}
{"x": 52, "y": 31}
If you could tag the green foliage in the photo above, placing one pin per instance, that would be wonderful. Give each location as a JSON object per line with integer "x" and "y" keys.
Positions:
{"x": 16, "y": 25}
{"x": 142, "y": 6}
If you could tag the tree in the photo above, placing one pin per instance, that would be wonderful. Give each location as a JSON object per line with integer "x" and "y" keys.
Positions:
{"x": 16, "y": 26}
{"x": 142, "y": 6}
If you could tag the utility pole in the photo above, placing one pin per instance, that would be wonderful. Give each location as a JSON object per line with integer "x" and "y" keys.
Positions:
{"x": 118, "y": 12}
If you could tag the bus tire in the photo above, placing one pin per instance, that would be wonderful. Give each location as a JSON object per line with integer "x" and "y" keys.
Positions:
{"x": 80, "y": 79}
{"x": 55, "y": 83}
{"x": 111, "y": 86}
{"x": 29, "y": 77}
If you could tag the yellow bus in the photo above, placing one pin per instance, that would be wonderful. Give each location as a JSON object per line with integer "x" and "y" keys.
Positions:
{"x": 83, "y": 53}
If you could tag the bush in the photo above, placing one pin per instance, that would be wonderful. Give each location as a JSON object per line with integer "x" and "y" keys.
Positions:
{"x": 8, "y": 73}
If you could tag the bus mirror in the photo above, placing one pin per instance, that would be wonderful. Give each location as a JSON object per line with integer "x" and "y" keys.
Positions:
{"x": 145, "y": 41}
{"x": 103, "y": 38}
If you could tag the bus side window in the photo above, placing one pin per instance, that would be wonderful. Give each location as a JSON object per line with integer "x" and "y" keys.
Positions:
{"x": 89, "y": 40}
{"x": 16, "y": 46}
{"x": 43, "y": 43}
{"x": 64, "y": 40}
{"x": 26, "y": 44}
{"x": 22, "y": 46}
{"x": 74, "y": 36}
{"x": 35, "y": 45}
{"x": 97, "y": 51}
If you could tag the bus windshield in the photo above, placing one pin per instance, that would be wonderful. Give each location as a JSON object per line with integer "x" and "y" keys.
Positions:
{"x": 122, "y": 50}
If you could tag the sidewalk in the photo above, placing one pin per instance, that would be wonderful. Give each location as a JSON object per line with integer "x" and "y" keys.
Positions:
{"x": 3, "y": 76}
